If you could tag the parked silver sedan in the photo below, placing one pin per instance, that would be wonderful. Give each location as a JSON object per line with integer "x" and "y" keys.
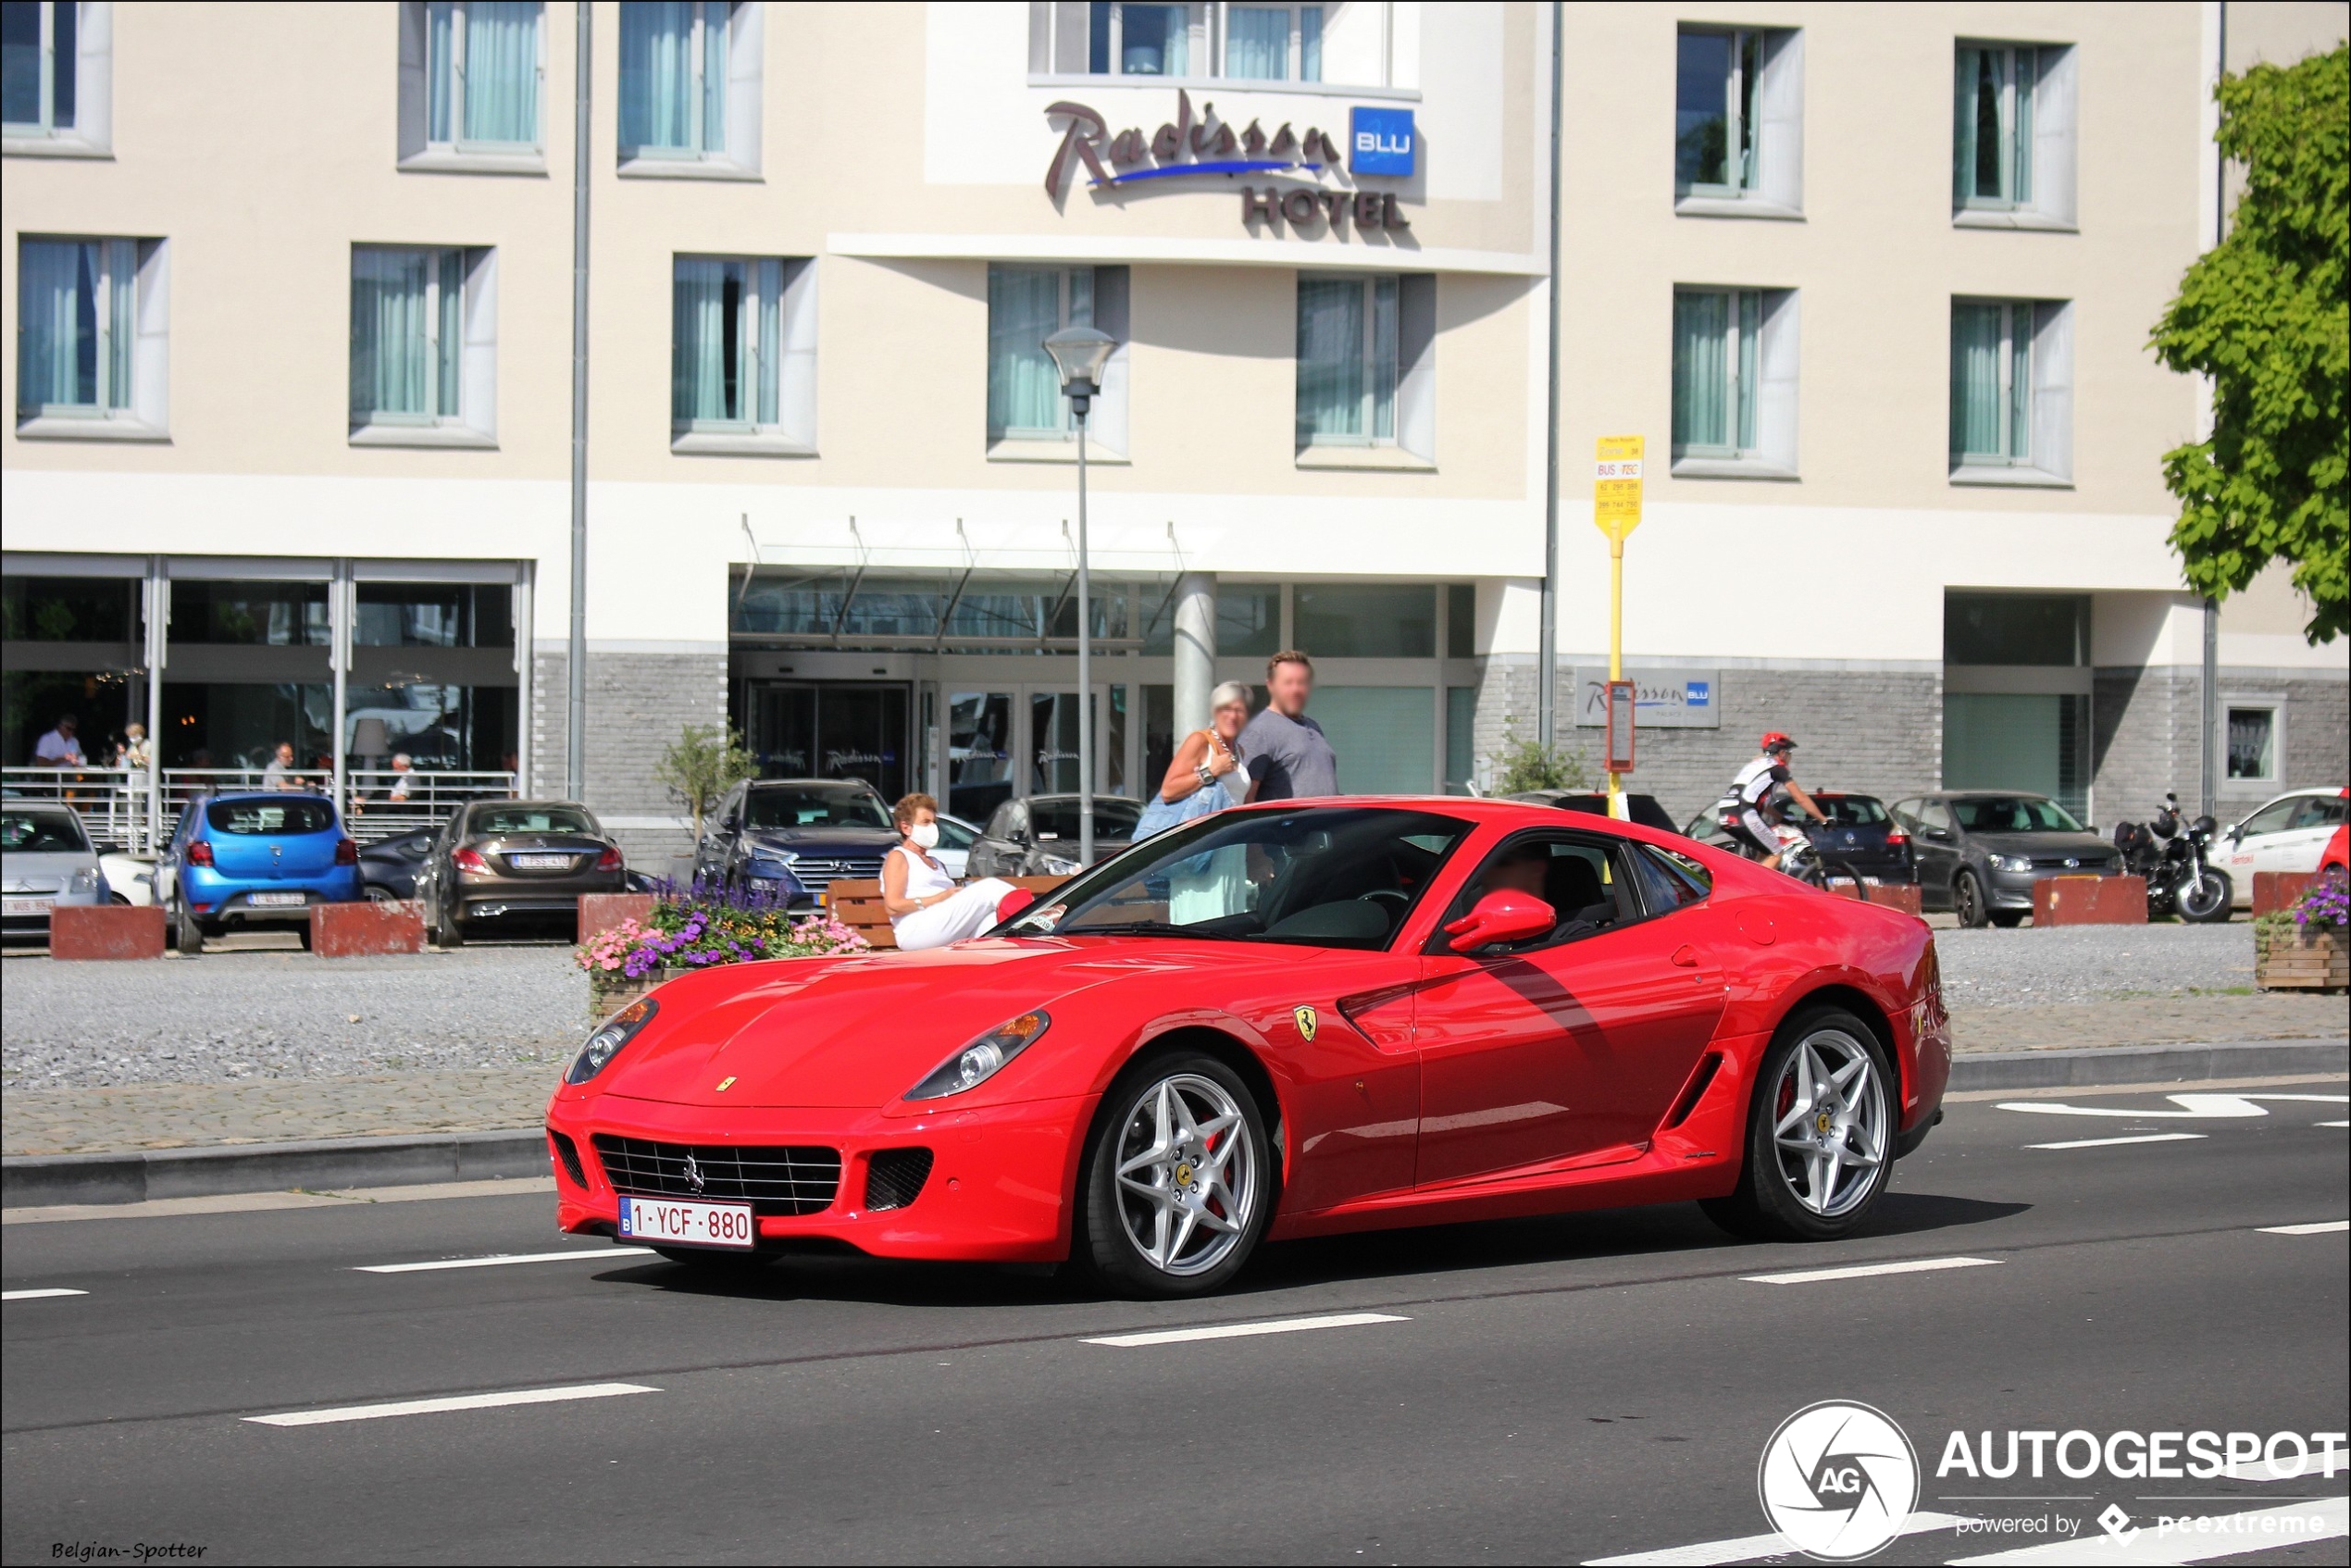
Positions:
{"x": 45, "y": 859}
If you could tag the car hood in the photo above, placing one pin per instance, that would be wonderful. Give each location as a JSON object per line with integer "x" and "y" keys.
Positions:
{"x": 816, "y": 841}
{"x": 861, "y": 1031}
{"x": 2087, "y": 845}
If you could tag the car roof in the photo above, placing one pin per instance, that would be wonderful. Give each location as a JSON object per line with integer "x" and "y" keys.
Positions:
{"x": 807, "y": 783}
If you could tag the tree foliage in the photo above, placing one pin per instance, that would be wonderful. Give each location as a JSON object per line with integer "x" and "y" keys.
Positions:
{"x": 2263, "y": 313}
{"x": 707, "y": 760}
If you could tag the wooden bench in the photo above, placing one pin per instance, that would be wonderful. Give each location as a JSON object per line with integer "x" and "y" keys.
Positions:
{"x": 857, "y": 903}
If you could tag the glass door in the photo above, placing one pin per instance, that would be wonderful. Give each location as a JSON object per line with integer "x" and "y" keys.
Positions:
{"x": 830, "y": 731}
{"x": 1050, "y": 754}
{"x": 979, "y": 753}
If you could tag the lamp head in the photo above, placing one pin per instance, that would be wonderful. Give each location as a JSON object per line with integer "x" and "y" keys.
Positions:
{"x": 1080, "y": 353}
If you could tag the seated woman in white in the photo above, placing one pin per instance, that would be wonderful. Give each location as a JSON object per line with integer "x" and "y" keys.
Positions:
{"x": 925, "y": 908}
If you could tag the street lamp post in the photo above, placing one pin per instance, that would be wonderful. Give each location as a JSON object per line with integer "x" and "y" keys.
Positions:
{"x": 1080, "y": 353}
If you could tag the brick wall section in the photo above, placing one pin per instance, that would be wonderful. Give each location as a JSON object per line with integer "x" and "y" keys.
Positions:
{"x": 637, "y": 704}
{"x": 2318, "y": 732}
{"x": 2142, "y": 725}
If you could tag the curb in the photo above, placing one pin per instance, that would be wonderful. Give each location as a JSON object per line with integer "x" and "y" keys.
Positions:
{"x": 332, "y": 1164}
{"x": 2108, "y": 1067}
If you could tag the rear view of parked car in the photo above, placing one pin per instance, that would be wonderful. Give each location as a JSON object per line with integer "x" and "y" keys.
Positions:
{"x": 504, "y": 860}
{"x": 45, "y": 859}
{"x": 1037, "y": 837}
{"x": 256, "y": 859}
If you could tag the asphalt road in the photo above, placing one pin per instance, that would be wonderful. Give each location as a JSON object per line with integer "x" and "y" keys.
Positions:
{"x": 1560, "y": 1391}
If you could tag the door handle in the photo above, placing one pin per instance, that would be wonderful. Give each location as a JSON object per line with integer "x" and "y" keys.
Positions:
{"x": 1685, "y": 957}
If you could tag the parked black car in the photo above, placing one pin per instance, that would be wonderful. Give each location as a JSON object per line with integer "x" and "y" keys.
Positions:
{"x": 1980, "y": 851}
{"x": 388, "y": 868}
{"x": 1643, "y": 809}
{"x": 497, "y": 860}
{"x": 1037, "y": 837}
{"x": 794, "y": 837}
{"x": 1861, "y": 835}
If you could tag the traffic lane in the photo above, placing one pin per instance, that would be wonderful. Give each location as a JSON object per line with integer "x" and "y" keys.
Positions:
{"x": 1568, "y": 1423}
{"x": 209, "y": 1331}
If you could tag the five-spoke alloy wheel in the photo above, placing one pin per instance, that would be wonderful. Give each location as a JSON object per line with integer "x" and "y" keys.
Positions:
{"x": 1178, "y": 1185}
{"x": 1820, "y": 1133}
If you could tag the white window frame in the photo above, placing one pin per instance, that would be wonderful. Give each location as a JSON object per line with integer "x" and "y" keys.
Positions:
{"x": 91, "y": 135}
{"x": 2048, "y": 459}
{"x": 2264, "y": 785}
{"x": 1059, "y": 34}
{"x": 738, "y": 155}
{"x": 145, "y": 414}
{"x": 1775, "y": 188}
{"x": 792, "y": 433}
{"x": 1295, "y": 61}
{"x": 2047, "y": 153}
{"x": 1376, "y": 323}
{"x": 1773, "y": 389}
{"x": 474, "y": 422}
{"x": 2015, "y": 316}
{"x": 418, "y": 150}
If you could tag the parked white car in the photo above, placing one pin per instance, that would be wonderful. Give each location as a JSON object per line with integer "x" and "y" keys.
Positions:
{"x": 45, "y": 859}
{"x": 2287, "y": 834}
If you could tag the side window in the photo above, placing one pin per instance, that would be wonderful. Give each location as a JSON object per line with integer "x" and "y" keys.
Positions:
{"x": 2273, "y": 819}
{"x": 1935, "y": 814}
{"x": 1587, "y": 883}
{"x": 1666, "y": 883}
{"x": 2323, "y": 812}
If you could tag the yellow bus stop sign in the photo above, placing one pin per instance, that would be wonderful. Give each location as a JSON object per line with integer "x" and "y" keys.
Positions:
{"x": 1616, "y": 487}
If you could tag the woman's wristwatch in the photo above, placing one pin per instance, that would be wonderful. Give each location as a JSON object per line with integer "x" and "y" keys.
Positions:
{"x": 1206, "y": 776}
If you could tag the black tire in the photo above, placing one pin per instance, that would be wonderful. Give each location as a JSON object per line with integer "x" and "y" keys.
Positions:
{"x": 186, "y": 935}
{"x": 302, "y": 935}
{"x": 1103, "y": 1242}
{"x": 379, "y": 893}
{"x": 1764, "y": 1206}
{"x": 1968, "y": 902}
{"x": 2205, "y": 901}
{"x": 2007, "y": 919}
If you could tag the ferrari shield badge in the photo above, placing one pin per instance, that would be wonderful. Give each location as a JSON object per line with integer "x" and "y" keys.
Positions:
{"x": 725, "y": 1084}
{"x": 1307, "y": 1023}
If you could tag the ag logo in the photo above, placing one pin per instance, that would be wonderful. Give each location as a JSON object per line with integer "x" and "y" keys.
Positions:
{"x": 1307, "y": 1023}
{"x": 1838, "y": 1480}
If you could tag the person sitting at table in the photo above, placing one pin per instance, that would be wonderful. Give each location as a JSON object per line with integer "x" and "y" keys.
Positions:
{"x": 924, "y": 906}
{"x": 58, "y": 748}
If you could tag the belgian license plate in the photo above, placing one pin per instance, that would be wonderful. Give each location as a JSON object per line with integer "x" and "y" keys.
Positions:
{"x": 686, "y": 1224}
{"x": 539, "y": 862}
{"x": 27, "y": 906}
{"x": 275, "y": 901}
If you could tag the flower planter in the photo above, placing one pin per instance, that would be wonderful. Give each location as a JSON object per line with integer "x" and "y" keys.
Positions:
{"x": 2287, "y": 957}
{"x": 609, "y": 992}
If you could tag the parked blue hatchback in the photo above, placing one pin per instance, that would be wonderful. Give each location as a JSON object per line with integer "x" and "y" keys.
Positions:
{"x": 257, "y": 858}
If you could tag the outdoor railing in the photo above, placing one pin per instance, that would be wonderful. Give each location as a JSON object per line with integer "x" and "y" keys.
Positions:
{"x": 377, "y": 804}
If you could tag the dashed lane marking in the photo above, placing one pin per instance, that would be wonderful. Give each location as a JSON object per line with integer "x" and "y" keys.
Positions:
{"x": 2191, "y": 1107}
{"x": 460, "y": 1402}
{"x": 2316, "y": 1228}
{"x": 1863, "y": 1271}
{"x": 1707, "y": 1554}
{"x": 2111, "y": 1142}
{"x": 1244, "y": 1330}
{"x": 576, "y": 1255}
{"x": 37, "y": 1295}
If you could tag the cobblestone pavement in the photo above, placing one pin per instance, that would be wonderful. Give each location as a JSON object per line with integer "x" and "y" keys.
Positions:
{"x": 249, "y": 1047}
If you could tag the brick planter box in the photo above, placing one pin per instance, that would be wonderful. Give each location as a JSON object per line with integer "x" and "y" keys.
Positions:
{"x": 2277, "y": 890}
{"x": 1903, "y": 896}
{"x": 2090, "y": 900}
{"x": 607, "y": 995}
{"x": 602, "y": 911}
{"x": 2290, "y": 957}
{"x": 365, "y": 929}
{"x": 82, "y": 932}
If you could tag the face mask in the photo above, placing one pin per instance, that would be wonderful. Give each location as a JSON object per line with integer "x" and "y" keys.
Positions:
{"x": 926, "y": 836}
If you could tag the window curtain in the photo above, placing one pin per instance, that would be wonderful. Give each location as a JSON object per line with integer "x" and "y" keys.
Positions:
{"x": 770, "y": 358}
{"x": 405, "y": 360}
{"x": 657, "y": 73}
{"x": 1702, "y": 378}
{"x": 441, "y": 68}
{"x": 502, "y": 70}
{"x": 1383, "y": 346}
{"x": 1023, "y": 309}
{"x": 57, "y": 312}
{"x": 2018, "y": 163}
{"x": 697, "y": 355}
{"x": 1155, "y": 41}
{"x": 1330, "y": 360}
{"x": 1310, "y": 44}
{"x": 1257, "y": 43}
{"x": 1978, "y": 344}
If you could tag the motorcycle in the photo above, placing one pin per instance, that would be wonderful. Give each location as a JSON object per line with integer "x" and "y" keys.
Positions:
{"x": 2175, "y": 858}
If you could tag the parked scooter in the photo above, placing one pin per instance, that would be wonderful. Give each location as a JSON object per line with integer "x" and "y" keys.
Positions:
{"x": 2175, "y": 858}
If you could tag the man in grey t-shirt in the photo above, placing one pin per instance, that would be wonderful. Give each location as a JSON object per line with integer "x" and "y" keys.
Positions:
{"x": 1286, "y": 753}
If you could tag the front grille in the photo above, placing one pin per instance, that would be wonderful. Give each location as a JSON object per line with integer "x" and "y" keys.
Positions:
{"x": 775, "y": 1181}
{"x": 817, "y": 873}
{"x": 568, "y": 1152}
{"x": 2081, "y": 862}
{"x": 894, "y": 1177}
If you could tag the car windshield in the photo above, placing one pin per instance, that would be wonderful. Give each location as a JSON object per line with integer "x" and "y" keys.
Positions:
{"x": 1851, "y": 811}
{"x": 40, "y": 832}
{"x": 298, "y": 813}
{"x": 815, "y": 805}
{"x": 1113, "y": 818}
{"x": 1320, "y": 875}
{"x": 2014, "y": 814}
{"x": 530, "y": 819}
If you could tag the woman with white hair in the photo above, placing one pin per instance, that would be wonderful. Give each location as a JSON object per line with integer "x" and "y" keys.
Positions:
{"x": 1209, "y": 772}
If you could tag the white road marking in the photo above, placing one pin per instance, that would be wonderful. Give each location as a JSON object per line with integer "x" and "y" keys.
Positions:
{"x": 2226, "y": 1534}
{"x": 574, "y": 1255}
{"x": 2318, "y": 1227}
{"x": 2193, "y": 1107}
{"x": 2333, "y": 1124}
{"x": 2111, "y": 1142}
{"x": 1858, "y": 1271}
{"x": 1244, "y": 1330}
{"x": 1706, "y": 1554}
{"x": 461, "y": 1402}
{"x": 37, "y": 1295}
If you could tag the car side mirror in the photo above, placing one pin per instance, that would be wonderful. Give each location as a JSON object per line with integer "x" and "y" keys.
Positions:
{"x": 729, "y": 822}
{"x": 1501, "y": 918}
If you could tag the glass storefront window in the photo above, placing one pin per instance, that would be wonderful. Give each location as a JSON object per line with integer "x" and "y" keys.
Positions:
{"x": 440, "y": 728}
{"x": 434, "y": 614}
{"x": 1460, "y": 737}
{"x": 2017, "y": 740}
{"x": 1366, "y": 620}
{"x": 980, "y": 742}
{"x": 1385, "y": 737}
{"x": 2016, "y": 628}
{"x": 272, "y": 615}
{"x": 905, "y": 612}
{"x": 240, "y": 723}
{"x": 1461, "y": 620}
{"x": 69, "y": 609}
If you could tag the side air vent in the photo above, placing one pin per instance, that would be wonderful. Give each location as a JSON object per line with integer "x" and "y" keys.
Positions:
{"x": 568, "y": 1152}
{"x": 1695, "y": 1089}
{"x": 894, "y": 1177}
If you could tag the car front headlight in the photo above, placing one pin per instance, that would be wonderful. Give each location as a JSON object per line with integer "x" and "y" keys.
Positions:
{"x": 86, "y": 881}
{"x": 610, "y": 1036}
{"x": 2011, "y": 863}
{"x": 1056, "y": 867}
{"x": 982, "y": 1059}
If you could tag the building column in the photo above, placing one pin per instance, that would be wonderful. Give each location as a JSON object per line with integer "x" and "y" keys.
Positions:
{"x": 1195, "y": 650}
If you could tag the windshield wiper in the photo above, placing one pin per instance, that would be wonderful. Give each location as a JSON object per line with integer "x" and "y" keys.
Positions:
{"x": 1147, "y": 929}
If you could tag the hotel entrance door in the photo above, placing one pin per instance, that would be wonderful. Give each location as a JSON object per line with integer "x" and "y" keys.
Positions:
{"x": 832, "y": 729}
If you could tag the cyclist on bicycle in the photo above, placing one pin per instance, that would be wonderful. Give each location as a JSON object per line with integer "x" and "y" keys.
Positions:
{"x": 1755, "y": 801}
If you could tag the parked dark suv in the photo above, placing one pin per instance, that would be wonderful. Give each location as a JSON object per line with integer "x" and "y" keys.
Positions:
{"x": 795, "y": 837}
{"x": 1980, "y": 851}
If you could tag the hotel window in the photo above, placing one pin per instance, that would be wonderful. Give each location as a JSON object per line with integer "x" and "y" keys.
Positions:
{"x": 423, "y": 346}
{"x": 743, "y": 354}
{"x": 1739, "y": 122}
{"x": 1272, "y": 43}
{"x": 2253, "y": 742}
{"x": 472, "y": 84}
{"x": 2012, "y": 392}
{"x": 1734, "y": 365}
{"x": 2012, "y": 136}
{"x": 93, "y": 335}
{"x": 56, "y": 77}
{"x": 1355, "y": 42}
{"x": 1026, "y": 305}
{"x": 1366, "y": 377}
{"x": 690, "y": 87}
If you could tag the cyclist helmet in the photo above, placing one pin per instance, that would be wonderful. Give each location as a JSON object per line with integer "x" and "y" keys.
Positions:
{"x": 1775, "y": 741}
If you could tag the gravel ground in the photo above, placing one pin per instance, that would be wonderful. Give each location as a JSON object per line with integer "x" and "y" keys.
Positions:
{"x": 233, "y": 1016}
{"x": 2075, "y": 964}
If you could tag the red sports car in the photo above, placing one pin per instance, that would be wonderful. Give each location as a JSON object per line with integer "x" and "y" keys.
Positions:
{"x": 1282, "y": 1020}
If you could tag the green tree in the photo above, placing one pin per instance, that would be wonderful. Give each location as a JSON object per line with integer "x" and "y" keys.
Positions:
{"x": 2263, "y": 313}
{"x": 1530, "y": 765}
{"x": 707, "y": 760}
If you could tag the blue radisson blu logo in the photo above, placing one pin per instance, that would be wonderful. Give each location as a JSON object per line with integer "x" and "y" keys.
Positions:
{"x": 1380, "y": 142}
